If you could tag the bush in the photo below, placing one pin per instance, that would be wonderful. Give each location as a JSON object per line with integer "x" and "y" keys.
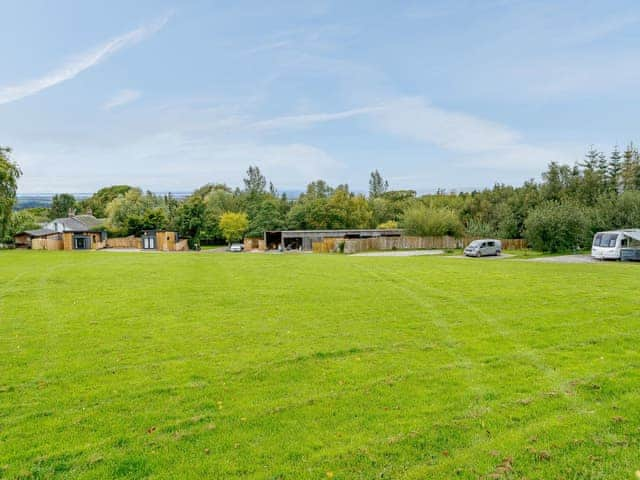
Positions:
{"x": 478, "y": 228}
{"x": 389, "y": 225}
{"x": 425, "y": 221}
{"x": 558, "y": 227}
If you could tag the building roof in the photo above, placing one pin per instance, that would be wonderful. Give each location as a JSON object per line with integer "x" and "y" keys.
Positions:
{"x": 77, "y": 223}
{"x": 40, "y": 232}
{"x": 350, "y": 231}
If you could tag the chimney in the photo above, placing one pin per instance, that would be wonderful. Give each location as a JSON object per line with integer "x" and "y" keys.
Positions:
{"x": 89, "y": 211}
{"x": 71, "y": 212}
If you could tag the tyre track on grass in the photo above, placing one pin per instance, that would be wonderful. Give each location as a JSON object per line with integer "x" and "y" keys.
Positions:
{"x": 578, "y": 405}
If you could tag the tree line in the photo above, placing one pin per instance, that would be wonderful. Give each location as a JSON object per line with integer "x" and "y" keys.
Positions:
{"x": 559, "y": 212}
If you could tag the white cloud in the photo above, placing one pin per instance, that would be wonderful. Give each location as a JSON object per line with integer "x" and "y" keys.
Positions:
{"x": 472, "y": 141}
{"x": 307, "y": 120}
{"x": 415, "y": 119}
{"x": 267, "y": 47}
{"x": 122, "y": 98}
{"x": 78, "y": 64}
{"x": 174, "y": 161}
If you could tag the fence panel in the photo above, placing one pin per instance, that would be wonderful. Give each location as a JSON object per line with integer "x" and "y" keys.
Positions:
{"x": 124, "y": 242}
{"x": 46, "y": 244}
{"x": 428, "y": 243}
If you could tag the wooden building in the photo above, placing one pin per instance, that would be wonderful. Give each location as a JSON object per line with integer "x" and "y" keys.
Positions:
{"x": 76, "y": 232}
{"x": 162, "y": 240}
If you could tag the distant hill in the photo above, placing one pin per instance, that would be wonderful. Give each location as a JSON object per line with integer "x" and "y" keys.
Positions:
{"x": 39, "y": 200}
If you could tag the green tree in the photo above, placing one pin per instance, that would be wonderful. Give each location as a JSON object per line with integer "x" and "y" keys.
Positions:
{"x": 424, "y": 221}
{"x": 22, "y": 220}
{"x": 268, "y": 216}
{"x": 135, "y": 211}
{"x": 192, "y": 221}
{"x": 61, "y": 205}
{"x": 557, "y": 227}
{"x": 630, "y": 168}
{"x": 97, "y": 203}
{"x": 9, "y": 175}
{"x": 255, "y": 183}
{"x": 377, "y": 185}
{"x": 317, "y": 189}
{"x": 233, "y": 225}
{"x": 614, "y": 170}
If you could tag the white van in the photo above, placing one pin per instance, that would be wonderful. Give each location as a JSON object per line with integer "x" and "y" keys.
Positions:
{"x": 483, "y": 248}
{"x": 609, "y": 245}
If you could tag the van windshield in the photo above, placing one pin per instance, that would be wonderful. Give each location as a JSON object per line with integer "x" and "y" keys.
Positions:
{"x": 475, "y": 243}
{"x": 605, "y": 240}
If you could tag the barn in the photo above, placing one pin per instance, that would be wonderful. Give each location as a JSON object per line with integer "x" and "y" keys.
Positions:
{"x": 304, "y": 239}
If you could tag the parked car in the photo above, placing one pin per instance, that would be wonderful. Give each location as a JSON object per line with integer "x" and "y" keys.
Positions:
{"x": 236, "y": 247}
{"x": 483, "y": 248}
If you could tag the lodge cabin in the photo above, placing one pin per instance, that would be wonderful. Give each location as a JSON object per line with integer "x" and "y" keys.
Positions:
{"x": 162, "y": 240}
{"x": 75, "y": 232}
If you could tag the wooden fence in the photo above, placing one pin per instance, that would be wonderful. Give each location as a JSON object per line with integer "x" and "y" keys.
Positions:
{"x": 410, "y": 243}
{"x": 47, "y": 244}
{"x": 182, "y": 245}
{"x": 326, "y": 245}
{"x": 124, "y": 242}
{"x": 254, "y": 243}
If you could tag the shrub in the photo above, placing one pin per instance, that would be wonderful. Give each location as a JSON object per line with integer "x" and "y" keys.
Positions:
{"x": 478, "y": 228}
{"x": 388, "y": 225}
{"x": 557, "y": 227}
{"x": 425, "y": 221}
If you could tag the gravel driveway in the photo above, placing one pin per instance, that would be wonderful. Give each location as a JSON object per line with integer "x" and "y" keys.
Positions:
{"x": 565, "y": 259}
{"x": 398, "y": 253}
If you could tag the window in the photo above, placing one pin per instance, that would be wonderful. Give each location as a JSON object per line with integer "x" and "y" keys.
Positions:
{"x": 596, "y": 240}
{"x": 491, "y": 244}
{"x": 607, "y": 240}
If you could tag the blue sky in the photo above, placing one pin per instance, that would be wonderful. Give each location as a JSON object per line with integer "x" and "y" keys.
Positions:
{"x": 170, "y": 95}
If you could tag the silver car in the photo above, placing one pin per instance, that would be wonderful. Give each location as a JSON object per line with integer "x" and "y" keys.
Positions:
{"x": 236, "y": 247}
{"x": 483, "y": 248}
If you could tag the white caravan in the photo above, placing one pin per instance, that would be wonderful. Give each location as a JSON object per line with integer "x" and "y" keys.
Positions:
{"x": 609, "y": 245}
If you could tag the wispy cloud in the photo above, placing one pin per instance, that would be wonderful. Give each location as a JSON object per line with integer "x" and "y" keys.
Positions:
{"x": 267, "y": 47}
{"x": 80, "y": 63}
{"x": 472, "y": 140}
{"x": 415, "y": 119}
{"x": 307, "y": 120}
{"x": 122, "y": 98}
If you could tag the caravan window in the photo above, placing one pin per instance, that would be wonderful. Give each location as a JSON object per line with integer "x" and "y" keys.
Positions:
{"x": 607, "y": 240}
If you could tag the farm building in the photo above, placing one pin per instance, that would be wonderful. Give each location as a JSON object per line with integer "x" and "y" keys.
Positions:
{"x": 304, "y": 239}
{"x": 75, "y": 232}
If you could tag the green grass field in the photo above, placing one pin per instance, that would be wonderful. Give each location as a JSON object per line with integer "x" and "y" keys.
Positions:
{"x": 131, "y": 365}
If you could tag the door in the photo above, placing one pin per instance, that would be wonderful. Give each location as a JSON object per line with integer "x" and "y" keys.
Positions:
{"x": 82, "y": 243}
{"x": 149, "y": 243}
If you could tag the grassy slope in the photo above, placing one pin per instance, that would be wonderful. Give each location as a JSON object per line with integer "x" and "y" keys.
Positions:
{"x": 308, "y": 366}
